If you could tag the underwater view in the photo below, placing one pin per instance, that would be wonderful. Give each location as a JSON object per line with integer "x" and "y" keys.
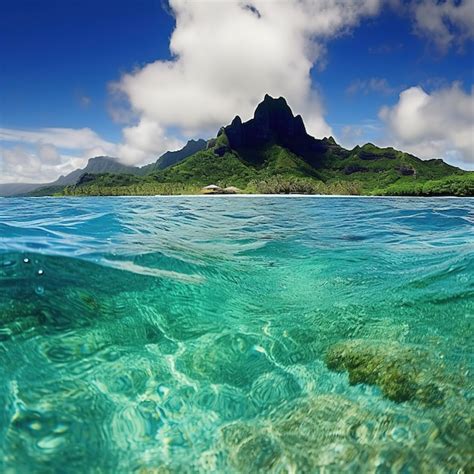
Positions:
{"x": 236, "y": 334}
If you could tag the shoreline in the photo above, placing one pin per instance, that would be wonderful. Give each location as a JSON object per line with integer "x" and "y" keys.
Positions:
{"x": 213, "y": 196}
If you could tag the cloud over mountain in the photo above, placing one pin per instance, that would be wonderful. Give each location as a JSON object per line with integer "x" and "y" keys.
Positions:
{"x": 42, "y": 154}
{"x": 226, "y": 56}
{"x": 434, "y": 125}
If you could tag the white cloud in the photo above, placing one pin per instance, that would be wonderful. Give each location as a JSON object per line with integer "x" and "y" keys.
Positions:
{"x": 447, "y": 23}
{"x": 71, "y": 138}
{"x": 436, "y": 125}
{"x": 144, "y": 142}
{"x": 227, "y": 55}
{"x": 49, "y": 154}
{"x": 23, "y": 164}
{"x": 41, "y": 155}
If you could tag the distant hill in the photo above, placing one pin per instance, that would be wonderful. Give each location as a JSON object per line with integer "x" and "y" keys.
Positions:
{"x": 273, "y": 153}
{"x": 101, "y": 165}
{"x": 96, "y": 165}
{"x": 171, "y": 158}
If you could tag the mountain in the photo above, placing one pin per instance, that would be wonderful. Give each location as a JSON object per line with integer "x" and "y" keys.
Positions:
{"x": 101, "y": 165}
{"x": 96, "y": 165}
{"x": 274, "y": 123}
{"x": 273, "y": 153}
{"x": 171, "y": 158}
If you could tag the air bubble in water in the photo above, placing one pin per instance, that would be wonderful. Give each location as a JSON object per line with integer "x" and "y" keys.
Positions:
{"x": 39, "y": 290}
{"x": 40, "y": 272}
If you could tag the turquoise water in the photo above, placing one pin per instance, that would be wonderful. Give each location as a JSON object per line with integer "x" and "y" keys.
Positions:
{"x": 224, "y": 334}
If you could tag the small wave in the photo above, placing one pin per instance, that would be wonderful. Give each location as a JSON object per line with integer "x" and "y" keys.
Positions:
{"x": 153, "y": 272}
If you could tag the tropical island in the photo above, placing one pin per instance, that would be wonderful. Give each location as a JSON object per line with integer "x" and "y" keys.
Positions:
{"x": 270, "y": 154}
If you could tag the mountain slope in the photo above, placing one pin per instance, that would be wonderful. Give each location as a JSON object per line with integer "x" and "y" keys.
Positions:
{"x": 272, "y": 152}
{"x": 101, "y": 165}
{"x": 171, "y": 158}
{"x": 96, "y": 165}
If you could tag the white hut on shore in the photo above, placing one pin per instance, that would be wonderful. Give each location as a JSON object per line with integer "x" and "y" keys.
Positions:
{"x": 212, "y": 189}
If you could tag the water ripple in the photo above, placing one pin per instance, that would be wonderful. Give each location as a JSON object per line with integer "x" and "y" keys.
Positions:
{"x": 260, "y": 334}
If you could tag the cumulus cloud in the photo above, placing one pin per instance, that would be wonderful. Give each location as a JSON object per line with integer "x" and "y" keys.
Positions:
{"x": 436, "y": 125}
{"x": 41, "y": 155}
{"x": 145, "y": 141}
{"x": 21, "y": 164}
{"x": 226, "y": 56}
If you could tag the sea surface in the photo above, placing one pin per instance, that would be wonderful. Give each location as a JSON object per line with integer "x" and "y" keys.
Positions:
{"x": 236, "y": 334}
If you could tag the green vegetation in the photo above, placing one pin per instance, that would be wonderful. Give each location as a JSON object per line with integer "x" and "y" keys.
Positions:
{"x": 272, "y": 153}
{"x": 385, "y": 171}
{"x": 366, "y": 170}
{"x": 458, "y": 185}
{"x": 126, "y": 185}
{"x": 274, "y": 169}
{"x": 296, "y": 185}
{"x": 205, "y": 168}
{"x": 47, "y": 191}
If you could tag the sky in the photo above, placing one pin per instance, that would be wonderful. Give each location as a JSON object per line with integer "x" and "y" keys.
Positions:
{"x": 133, "y": 79}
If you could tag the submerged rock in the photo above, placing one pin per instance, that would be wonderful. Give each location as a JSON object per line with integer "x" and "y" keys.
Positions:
{"x": 402, "y": 372}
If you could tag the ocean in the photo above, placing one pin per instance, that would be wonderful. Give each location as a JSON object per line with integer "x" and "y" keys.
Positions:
{"x": 236, "y": 334}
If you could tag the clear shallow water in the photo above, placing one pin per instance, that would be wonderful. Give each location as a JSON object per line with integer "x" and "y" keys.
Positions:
{"x": 236, "y": 335}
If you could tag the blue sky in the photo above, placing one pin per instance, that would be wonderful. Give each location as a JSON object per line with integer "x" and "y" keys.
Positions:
{"x": 56, "y": 53}
{"x": 106, "y": 67}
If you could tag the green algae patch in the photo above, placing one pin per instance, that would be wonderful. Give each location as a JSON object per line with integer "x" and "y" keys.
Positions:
{"x": 402, "y": 372}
